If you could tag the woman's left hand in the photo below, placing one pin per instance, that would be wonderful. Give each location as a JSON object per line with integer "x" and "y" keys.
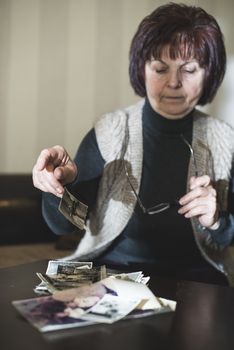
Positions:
{"x": 201, "y": 202}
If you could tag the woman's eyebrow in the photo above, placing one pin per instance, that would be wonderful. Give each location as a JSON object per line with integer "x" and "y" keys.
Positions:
{"x": 158, "y": 60}
{"x": 188, "y": 62}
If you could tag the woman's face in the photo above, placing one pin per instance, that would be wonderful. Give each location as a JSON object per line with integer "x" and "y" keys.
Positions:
{"x": 173, "y": 87}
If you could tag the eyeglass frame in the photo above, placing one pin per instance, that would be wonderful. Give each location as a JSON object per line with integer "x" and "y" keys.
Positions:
{"x": 165, "y": 205}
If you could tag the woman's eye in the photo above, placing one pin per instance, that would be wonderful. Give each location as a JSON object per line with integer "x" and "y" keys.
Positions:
{"x": 161, "y": 71}
{"x": 189, "y": 71}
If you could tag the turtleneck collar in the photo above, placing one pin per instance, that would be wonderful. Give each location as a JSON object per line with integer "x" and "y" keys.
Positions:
{"x": 156, "y": 123}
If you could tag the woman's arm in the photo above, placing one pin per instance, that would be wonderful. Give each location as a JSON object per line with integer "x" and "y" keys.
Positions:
{"x": 85, "y": 187}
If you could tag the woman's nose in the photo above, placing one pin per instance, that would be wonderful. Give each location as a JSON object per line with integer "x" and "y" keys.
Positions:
{"x": 174, "y": 80}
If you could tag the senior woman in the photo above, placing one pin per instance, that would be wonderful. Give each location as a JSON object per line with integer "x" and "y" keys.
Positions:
{"x": 156, "y": 176}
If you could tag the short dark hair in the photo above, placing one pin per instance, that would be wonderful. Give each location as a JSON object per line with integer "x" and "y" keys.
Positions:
{"x": 189, "y": 31}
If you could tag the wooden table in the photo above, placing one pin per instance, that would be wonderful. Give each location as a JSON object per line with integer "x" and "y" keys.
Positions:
{"x": 204, "y": 319}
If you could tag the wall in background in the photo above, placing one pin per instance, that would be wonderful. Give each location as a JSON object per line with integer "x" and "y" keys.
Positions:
{"x": 65, "y": 62}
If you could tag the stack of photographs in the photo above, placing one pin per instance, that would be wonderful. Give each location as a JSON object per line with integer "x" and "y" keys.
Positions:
{"x": 77, "y": 294}
{"x": 62, "y": 275}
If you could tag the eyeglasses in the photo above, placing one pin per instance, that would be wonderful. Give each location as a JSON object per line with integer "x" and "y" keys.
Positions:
{"x": 158, "y": 208}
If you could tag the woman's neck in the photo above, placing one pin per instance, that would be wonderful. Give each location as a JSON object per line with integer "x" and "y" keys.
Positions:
{"x": 156, "y": 123}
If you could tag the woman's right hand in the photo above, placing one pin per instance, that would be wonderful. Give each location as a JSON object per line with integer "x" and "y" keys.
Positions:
{"x": 53, "y": 170}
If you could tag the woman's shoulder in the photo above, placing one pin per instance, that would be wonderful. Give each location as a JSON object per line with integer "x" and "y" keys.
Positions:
{"x": 219, "y": 133}
{"x": 214, "y": 123}
{"x": 118, "y": 115}
{"x": 110, "y": 128}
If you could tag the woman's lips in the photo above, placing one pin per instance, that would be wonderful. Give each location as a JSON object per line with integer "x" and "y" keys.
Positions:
{"x": 174, "y": 97}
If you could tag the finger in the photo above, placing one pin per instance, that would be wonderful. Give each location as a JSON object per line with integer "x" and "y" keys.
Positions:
{"x": 52, "y": 155}
{"x": 197, "y": 192}
{"x": 42, "y": 160}
{"x": 59, "y": 173}
{"x": 202, "y": 181}
{"x": 46, "y": 181}
{"x": 55, "y": 155}
{"x": 205, "y": 202}
{"x": 198, "y": 212}
{"x": 66, "y": 174}
{"x": 49, "y": 189}
{"x": 55, "y": 190}
{"x": 53, "y": 185}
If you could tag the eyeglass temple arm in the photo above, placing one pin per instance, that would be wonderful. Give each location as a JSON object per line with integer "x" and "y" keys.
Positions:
{"x": 192, "y": 153}
{"x": 133, "y": 189}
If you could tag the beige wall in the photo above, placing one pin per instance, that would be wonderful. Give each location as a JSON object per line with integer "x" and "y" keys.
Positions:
{"x": 65, "y": 62}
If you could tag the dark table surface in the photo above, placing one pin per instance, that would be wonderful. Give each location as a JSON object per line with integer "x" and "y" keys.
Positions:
{"x": 204, "y": 319}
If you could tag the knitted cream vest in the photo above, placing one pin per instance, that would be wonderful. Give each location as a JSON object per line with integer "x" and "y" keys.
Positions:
{"x": 119, "y": 137}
